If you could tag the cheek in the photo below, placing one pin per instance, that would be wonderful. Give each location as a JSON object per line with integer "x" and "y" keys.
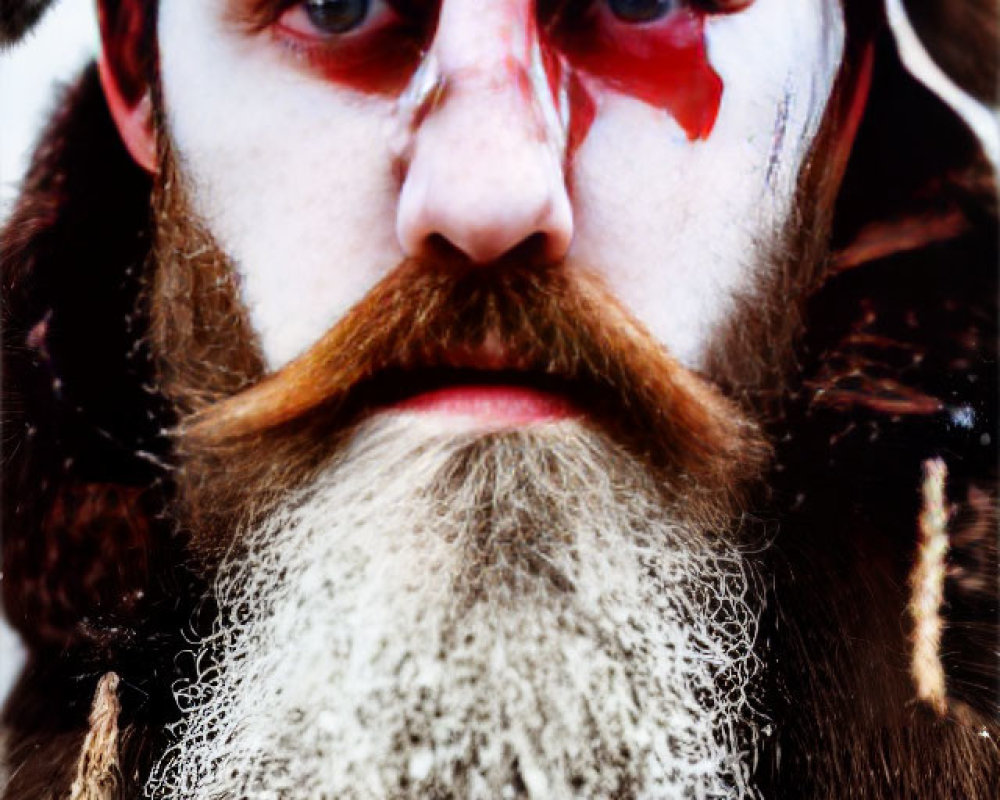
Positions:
{"x": 677, "y": 227}
{"x": 778, "y": 61}
{"x": 663, "y": 223}
{"x": 291, "y": 175}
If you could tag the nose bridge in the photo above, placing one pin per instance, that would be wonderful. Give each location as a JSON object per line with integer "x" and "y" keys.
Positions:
{"x": 485, "y": 169}
{"x": 481, "y": 42}
{"x": 492, "y": 52}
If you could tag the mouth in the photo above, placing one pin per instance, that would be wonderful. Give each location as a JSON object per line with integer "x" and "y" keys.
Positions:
{"x": 487, "y": 398}
{"x": 487, "y": 386}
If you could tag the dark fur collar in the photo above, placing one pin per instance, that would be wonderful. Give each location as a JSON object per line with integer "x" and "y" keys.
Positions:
{"x": 91, "y": 568}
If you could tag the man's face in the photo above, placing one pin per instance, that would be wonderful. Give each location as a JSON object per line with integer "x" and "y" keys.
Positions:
{"x": 540, "y": 215}
{"x": 647, "y": 141}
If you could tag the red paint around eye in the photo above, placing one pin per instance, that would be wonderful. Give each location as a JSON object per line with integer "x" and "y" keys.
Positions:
{"x": 381, "y": 60}
{"x": 663, "y": 63}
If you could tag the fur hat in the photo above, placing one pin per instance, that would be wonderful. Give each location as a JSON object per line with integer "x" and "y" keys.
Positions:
{"x": 18, "y": 16}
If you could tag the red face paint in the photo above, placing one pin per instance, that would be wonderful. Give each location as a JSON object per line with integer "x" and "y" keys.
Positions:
{"x": 583, "y": 110}
{"x": 663, "y": 63}
{"x": 562, "y": 77}
{"x": 379, "y": 58}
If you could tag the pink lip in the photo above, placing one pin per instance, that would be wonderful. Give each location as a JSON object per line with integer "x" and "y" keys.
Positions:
{"x": 500, "y": 405}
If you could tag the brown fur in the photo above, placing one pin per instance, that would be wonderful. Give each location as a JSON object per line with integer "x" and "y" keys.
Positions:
{"x": 963, "y": 37}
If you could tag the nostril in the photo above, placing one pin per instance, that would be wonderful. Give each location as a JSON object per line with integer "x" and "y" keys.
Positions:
{"x": 533, "y": 251}
{"x": 438, "y": 249}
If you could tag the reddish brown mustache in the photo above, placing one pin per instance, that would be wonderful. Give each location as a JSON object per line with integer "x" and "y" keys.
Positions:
{"x": 554, "y": 327}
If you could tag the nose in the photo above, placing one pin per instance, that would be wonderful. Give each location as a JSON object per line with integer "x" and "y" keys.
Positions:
{"x": 484, "y": 170}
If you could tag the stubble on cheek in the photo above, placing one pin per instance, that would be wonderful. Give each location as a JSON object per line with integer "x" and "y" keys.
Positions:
{"x": 200, "y": 332}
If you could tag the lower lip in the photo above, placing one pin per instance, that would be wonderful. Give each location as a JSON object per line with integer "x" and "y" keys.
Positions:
{"x": 493, "y": 405}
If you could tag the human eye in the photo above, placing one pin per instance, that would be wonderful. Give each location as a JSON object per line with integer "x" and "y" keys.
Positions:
{"x": 323, "y": 19}
{"x": 636, "y": 11}
{"x": 372, "y": 46}
{"x": 633, "y": 12}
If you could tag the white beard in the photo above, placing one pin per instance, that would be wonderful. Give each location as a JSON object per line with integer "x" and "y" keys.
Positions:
{"x": 448, "y": 614}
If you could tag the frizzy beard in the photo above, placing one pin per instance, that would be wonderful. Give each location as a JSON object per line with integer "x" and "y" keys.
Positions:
{"x": 509, "y": 614}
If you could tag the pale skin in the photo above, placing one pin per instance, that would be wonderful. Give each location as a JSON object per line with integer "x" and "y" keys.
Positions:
{"x": 318, "y": 182}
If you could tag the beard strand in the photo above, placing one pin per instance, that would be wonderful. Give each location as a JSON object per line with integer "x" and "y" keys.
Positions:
{"x": 508, "y": 614}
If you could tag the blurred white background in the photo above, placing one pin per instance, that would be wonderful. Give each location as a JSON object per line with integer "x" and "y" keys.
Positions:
{"x": 29, "y": 73}
{"x": 29, "y": 76}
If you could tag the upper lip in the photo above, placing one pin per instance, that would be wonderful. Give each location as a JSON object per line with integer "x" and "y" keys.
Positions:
{"x": 491, "y": 355}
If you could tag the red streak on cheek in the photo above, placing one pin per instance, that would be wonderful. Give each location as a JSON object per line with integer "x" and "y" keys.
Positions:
{"x": 553, "y": 63}
{"x": 581, "y": 105}
{"x": 664, "y": 64}
{"x": 582, "y": 111}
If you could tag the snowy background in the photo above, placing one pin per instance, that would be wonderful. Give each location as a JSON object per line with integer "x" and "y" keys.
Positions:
{"x": 29, "y": 72}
